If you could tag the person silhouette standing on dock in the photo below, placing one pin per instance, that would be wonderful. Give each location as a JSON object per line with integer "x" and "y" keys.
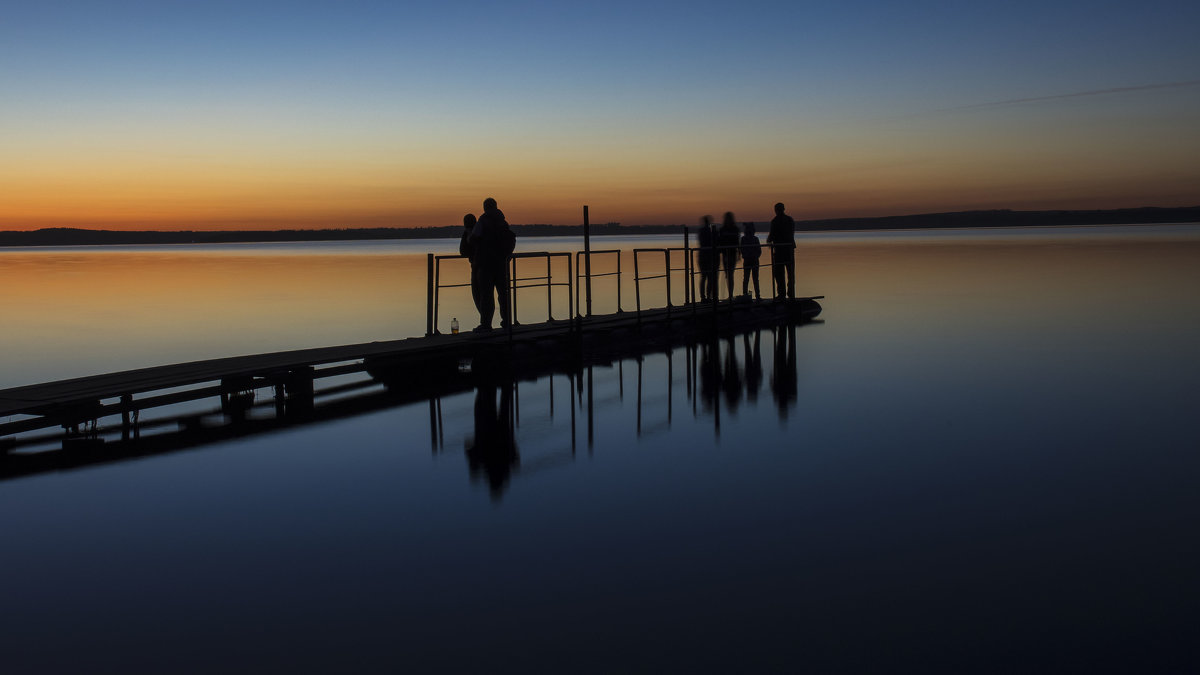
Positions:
{"x": 466, "y": 248}
{"x": 706, "y": 260}
{"x": 494, "y": 243}
{"x": 751, "y": 253}
{"x": 727, "y": 243}
{"x": 782, "y": 239}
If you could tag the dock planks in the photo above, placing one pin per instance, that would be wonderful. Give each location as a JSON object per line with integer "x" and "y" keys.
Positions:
{"x": 79, "y": 399}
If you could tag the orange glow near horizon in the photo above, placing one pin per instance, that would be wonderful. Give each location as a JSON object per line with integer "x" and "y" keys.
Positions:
{"x": 914, "y": 168}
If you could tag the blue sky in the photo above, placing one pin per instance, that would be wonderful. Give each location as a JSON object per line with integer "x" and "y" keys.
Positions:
{"x": 431, "y": 101}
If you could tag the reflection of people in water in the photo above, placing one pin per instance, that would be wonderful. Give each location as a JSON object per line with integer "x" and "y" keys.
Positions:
{"x": 731, "y": 376}
{"x": 727, "y": 375}
{"x": 753, "y": 365}
{"x": 710, "y": 372}
{"x": 783, "y": 376}
{"x": 493, "y": 450}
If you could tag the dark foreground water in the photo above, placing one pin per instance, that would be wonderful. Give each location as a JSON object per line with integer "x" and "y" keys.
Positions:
{"x": 985, "y": 458}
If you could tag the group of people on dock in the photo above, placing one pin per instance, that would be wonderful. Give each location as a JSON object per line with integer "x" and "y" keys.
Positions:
{"x": 720, "y": 249}
{"x": 488, "y": 242}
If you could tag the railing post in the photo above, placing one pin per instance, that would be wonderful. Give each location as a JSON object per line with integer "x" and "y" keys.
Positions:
{"x": 512, "y": 293}
{"x": 637, "y": 286}
{"x": 429, "y": 294}
{"x": 571, "y": 290}
{"x": 667, "y": 275}
{"x": 688, "y": 297}
{"x": 578, "y": 272}
{"x": 619, "y": 310}
{"x": 774, "y": 293}
{"x": 587, "y": 260}
{"x": 549, "y": 292}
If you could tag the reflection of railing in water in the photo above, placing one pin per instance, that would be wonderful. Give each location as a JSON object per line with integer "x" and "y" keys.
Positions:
{"x": 719, "y": 372}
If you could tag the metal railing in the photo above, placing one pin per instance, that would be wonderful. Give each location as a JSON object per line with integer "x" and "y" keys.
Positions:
{"x": 435, "y": 285}
{"x": 576, "y": 272}
{"x": 581, "y": 274}
{"x": 547, "y": 281}
{"x": 666, "y": 275}
{"x": 434, "y": 288}
{"x": 719, "y": 269}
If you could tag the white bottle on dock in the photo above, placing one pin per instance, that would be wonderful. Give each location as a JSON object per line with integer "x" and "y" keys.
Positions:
{"x": 454, "y": 326}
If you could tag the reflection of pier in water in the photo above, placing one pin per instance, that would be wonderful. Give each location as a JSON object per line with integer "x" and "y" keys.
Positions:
{"x": 720, "y": 367}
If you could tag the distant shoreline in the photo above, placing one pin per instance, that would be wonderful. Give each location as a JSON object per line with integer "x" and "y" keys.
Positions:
{"x": 954, "y": 220}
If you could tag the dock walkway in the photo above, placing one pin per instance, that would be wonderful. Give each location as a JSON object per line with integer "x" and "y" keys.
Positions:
{"x": 72, "y": 402}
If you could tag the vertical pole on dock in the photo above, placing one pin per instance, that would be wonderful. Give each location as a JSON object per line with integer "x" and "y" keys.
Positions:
{"x": 428, "y": 294}
{"x": 619, "y": 310}
{"x": 126, "y": 405}
{"x": 572, "y": 290}
{"x": 549, "y": 293}
{"x": 774, "y": 292}
{"x": 667, "y": 270}
{"x": 512, "y": 295}
{"x": 587, "y": 260}
{"x": 687, "y": 269}
{"x": 637, "y": 287}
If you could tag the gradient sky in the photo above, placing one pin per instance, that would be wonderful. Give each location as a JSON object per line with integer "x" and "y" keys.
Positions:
{"x": 215, "y": 115}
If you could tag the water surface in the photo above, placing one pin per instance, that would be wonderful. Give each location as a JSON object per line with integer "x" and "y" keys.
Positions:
{"x": 983, "y": 458}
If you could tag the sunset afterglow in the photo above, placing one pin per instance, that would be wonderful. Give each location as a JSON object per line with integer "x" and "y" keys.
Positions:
{"x": 133, "y": 115}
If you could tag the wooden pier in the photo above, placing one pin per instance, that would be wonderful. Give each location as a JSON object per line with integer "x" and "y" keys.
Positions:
{"x": 82, "y": 401}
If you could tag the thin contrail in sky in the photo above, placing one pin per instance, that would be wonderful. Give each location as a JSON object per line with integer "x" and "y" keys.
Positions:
{"x": 1093, "y": 92}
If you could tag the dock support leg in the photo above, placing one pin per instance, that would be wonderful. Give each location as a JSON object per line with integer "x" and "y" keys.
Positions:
{"x": 126, "y": 405}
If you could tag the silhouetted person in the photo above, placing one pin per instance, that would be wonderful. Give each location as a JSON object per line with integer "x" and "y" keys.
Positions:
{"x": 494, "y": 243}
{"x": 467, "y": 248}
{"x": 706, "y": 260}
{"x": 493, "y": 450}
{"x": 783, "y": 377}
{"x": 727, "y": 241}
{"x": 782, "y": 239}
{"x": 751, "y": 253}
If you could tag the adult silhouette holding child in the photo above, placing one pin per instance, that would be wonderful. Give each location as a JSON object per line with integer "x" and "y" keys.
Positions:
{"x": 493, "y": 244}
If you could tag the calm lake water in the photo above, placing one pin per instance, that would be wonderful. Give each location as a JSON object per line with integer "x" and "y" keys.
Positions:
{"x": 983, "y": 457}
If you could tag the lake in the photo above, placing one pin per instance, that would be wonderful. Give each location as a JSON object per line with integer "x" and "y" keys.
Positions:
{"x": 983, "y": 456}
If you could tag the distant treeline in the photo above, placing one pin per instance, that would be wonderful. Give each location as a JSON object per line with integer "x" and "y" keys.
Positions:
{"x": 961, "y": 219}
{"x": 1007, "y": 218}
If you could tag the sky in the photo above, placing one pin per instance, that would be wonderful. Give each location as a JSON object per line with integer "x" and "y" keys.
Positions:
{"x": 267, "y": 115}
